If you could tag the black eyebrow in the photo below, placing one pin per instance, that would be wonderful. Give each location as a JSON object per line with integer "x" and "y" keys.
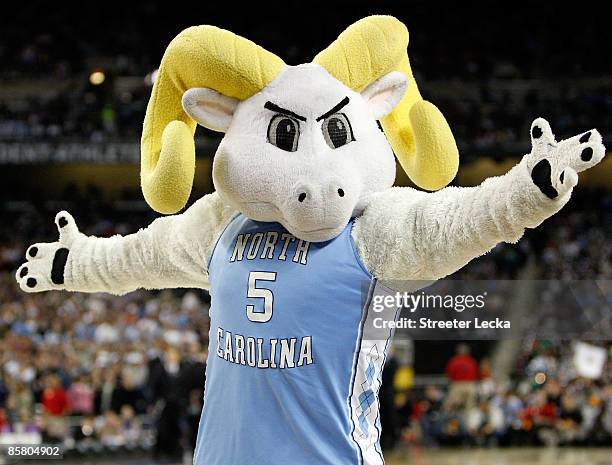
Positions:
{"x": 276, "y": 108}
{"x": 343, "y": 103}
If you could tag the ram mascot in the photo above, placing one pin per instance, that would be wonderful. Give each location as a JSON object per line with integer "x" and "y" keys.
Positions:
{"x": 303, "y": 215}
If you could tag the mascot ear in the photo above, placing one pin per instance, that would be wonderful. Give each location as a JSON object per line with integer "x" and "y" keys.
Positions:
{"x": 209, "y": 108}
{"x": 385, "y": 93}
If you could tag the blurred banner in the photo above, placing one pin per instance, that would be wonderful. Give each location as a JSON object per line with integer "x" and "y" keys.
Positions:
{"x": 589, "y": 360}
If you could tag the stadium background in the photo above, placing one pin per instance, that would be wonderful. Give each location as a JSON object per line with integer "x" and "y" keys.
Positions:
{"x": 121, "y": 378}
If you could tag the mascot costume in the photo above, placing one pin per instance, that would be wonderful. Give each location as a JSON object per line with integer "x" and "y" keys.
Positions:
{"x": 303, "y": 215}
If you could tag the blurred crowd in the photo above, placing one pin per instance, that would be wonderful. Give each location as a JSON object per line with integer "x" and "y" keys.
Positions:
{"x": 546, "y": 402}
{"x": 86, "y": 369}
{"x": 495, "y": 121}
{"x": 575, "y": 245}
{"x": 81, "y": 112}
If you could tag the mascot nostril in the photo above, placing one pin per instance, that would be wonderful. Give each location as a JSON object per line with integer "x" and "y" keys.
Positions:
{"x": 288, "y": 317}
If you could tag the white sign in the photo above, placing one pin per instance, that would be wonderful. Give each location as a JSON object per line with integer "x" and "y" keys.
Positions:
{"x": 589, "y": 360}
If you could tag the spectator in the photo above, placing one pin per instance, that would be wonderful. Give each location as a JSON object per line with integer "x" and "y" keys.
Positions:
{"x": 81, "y": 396}
{"x": 462, "y": 373}
{"x": 107, "y": 391}
{"x": 54, "y": 397}
{"x": 5, "y": 426}
{"x": 55, "y": 405}
{"x": 170, "y": 391}
{"x": 20, "y": 400}
{"x": 569, "y": 421}
{"x": 131, "y": 429}
{"x": 110, "y": 430}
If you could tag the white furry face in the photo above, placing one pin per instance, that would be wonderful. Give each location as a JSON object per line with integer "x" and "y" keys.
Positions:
{"x": 306, "y": 151}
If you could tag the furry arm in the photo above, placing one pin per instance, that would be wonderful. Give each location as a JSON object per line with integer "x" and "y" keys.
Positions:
{"x": 171, "y": 252}
{"x": 406, "y": 234}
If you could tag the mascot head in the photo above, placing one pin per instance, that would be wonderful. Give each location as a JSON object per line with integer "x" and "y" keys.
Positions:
{"x": 302, "y": 146}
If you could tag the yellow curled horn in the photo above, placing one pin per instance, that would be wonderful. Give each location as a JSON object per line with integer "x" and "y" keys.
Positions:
{"x": 200, "y": 56}
{"x": 417, "y": 131}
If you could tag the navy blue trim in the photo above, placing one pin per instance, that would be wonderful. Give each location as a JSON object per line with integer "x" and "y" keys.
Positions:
{"x": 364, "y": 317}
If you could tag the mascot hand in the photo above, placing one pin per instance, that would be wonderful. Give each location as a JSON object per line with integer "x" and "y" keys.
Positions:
{"x": 44, "y": 269}
{"x": 554, "y": 165}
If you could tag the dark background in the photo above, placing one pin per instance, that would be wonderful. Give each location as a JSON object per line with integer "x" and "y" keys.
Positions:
{"x": 449, "y": 39}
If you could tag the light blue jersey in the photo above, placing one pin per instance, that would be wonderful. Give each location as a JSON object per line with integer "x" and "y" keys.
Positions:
{"x": 291, "y": 376}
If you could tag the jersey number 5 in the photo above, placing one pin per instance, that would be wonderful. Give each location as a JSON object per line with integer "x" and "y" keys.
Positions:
{"x": 260, "y": 293}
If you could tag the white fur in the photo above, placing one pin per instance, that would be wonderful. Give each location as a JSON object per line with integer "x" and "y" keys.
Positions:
{"x": 265, "y": 182}
{"x": 172, "y": 252}
{"x": 405, "y": 234}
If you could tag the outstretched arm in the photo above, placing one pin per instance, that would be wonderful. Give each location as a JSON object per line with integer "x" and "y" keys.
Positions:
{"x": 172, "y": 252}
{"x": 406, "y": 234}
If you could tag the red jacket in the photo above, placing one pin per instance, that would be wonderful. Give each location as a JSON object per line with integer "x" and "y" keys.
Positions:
{"x": 462, "y": 368}
{"x": 55, "y": 401}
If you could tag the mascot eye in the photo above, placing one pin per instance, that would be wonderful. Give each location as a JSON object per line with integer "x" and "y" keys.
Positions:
{"x": 284, "y": 132}
{"x": 337, "y": 130}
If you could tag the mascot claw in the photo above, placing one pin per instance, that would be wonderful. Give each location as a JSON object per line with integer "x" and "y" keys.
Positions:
{"x": 46, "y": 262}
{"x": 554, "y": 165}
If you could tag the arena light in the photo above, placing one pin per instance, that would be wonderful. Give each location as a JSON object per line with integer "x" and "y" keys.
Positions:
{"x": 151, "y": 77}
{"x": 540, "y": 378}
{"x": 97, "y": 77}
